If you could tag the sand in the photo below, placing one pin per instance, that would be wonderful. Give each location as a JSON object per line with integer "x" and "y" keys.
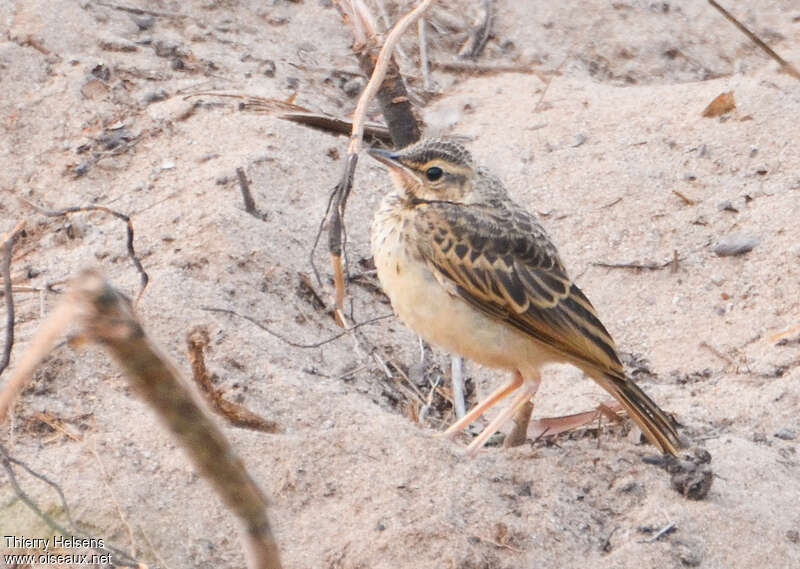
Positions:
{"x": 613, "y": 154}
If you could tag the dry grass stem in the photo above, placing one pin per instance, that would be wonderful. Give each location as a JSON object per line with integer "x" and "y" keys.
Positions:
{"x": 238, "y": 415}
{"x": 143, "y": 276}
{"x": 786, "y": 67}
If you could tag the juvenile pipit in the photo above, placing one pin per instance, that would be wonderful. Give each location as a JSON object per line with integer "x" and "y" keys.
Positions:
{"x": 470, "y": 270}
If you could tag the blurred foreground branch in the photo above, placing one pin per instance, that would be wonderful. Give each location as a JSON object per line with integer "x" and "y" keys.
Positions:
{"x": 106, "y": 317}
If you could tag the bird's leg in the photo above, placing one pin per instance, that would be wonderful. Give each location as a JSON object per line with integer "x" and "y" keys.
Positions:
{"x": 484, "y": 405}
{"x": 520, "y": 400}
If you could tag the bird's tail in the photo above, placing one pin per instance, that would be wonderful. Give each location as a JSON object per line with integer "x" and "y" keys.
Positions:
{"x": 655, "y": 423}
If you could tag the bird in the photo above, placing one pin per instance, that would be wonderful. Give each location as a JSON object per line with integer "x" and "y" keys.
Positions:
{"x": 470, "y": 270}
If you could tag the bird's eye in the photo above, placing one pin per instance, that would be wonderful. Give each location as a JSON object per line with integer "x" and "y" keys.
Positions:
{"x": 433, "y": 173}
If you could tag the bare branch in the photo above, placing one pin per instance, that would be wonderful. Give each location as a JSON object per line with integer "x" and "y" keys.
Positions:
{"x": 336, "y": 234}
{"x": 290, "y": 342}
{"x": 143, "y": 276}
{"x": 7, "y": 246}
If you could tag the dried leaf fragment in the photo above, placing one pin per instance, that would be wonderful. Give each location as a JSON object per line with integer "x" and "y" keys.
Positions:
{"x": 723, "y": 103}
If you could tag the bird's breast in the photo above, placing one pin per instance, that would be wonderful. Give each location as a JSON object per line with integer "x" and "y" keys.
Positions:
{"x": 423, "y": 304}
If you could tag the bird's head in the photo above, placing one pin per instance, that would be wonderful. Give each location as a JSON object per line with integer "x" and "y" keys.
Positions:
{"x": 433, "y": 169}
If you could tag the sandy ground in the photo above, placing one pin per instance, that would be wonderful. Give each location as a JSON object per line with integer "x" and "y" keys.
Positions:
{"x": 94, "y": 110}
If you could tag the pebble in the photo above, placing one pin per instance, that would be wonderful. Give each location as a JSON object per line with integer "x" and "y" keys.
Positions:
{"x": 735, "y": 244}
{"x": 717, "y": 279}
{"x": 156, "y": 96}
{"x": 689, "y": 552}
{"x": 786, "y": 434}
{"x": 143, "y": 21}
{"x": 166, "y": 49}
{"x": 726, "y": 205}
{"x": 353, "y": 87}
{"x": 580, "y": 138}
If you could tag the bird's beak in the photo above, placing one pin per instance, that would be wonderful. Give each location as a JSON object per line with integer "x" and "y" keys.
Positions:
{"x": 402, "y": 174}
{"x": 388, "y": 157}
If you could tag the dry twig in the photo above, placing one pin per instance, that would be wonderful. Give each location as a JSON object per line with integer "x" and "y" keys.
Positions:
{"x": 519, "y": 432}
{"x": 640, "y": 266}
{"x": 373, "y": 132}
{"x": 247, "y": 197}
{"x": 479, "y": 34}
{"x": 286, "y": 340}
{"x": 786, "y": 67}
{"x": 489, "y": 68}
{"x": 683, "y": 197}
{"x": 143, "y": 276}
{"x": 238, "y": 415}
{"x": 140, "y": 11}
{"x": 409, "y": 133}
{"x": 7, "y": 246}
{"x": 424, "y": 63}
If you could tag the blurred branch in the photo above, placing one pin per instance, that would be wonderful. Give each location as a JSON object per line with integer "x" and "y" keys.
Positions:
{"x": 107, "y": 318}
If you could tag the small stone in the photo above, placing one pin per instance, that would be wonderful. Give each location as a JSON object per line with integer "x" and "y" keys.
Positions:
{"x": 796, "y": 250}
{"x": 580, "y": 138}
{"x": 689, "y": 553}
{"x": 143, "y": 21}
{"x": 156, "y": 96}
{"x": 753, "y": 151}
{"x": 207, "y": 157}
{"x": 793, "y": 535}
{"x": 718, "y": 280}
{"x": 167, "y": 165}
{"x": 353, "y": 87}
{"x": 101, "y": 71}
{"x": 166, "y": 49}
{"x": 726, "y": 205}
{"x": 786, "y": 434}
{"x": 736, "y": 244}
{"x": 268, "y": 68}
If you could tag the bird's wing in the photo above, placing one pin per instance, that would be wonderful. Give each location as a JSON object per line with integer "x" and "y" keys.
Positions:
{"x": 501, "y": 261}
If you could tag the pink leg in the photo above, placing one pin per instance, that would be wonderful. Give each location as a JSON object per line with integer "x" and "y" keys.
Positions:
{"x": 484, "y": 405}
{"x": 520, "y": 399}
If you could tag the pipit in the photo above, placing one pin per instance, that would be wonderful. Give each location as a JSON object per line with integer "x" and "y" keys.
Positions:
{"x": 475, "y": 273}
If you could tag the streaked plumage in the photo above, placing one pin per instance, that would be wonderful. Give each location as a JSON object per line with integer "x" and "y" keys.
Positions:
{"x": 472, "y": 271}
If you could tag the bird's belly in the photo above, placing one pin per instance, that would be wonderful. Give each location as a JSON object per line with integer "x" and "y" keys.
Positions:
{"x": 441, "y": 318}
